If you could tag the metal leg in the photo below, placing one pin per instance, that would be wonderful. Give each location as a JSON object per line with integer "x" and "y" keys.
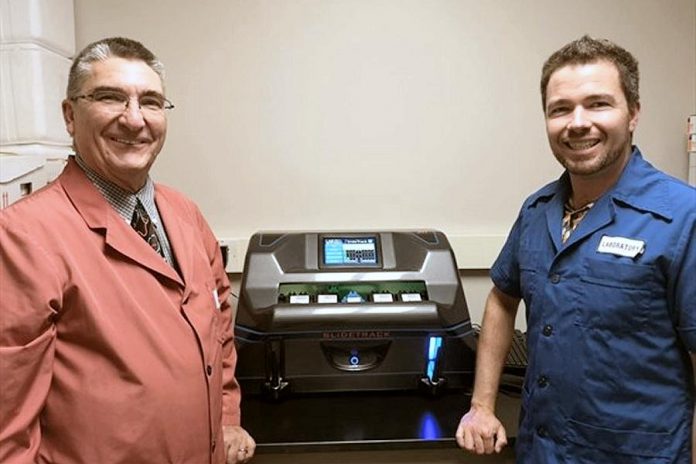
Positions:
{"x": 275, "y": 368}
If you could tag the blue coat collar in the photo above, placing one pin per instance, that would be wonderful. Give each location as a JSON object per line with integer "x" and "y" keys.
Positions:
{"x": 640, "y": 186}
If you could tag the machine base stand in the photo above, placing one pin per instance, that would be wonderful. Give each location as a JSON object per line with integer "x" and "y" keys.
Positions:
{"x": 433, "y": 387}
{"x": 275, "y": 391}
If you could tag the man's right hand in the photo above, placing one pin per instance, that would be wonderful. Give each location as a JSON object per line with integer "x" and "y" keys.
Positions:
{"x": 481, "y": 432}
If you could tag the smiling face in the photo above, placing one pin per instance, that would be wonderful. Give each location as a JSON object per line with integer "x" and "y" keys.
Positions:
{"x": 119, "y": 146}
{"x": 588, "y": 121}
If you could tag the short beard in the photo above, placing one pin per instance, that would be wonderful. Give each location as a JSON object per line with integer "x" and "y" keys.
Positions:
{"x": 595, "y": 166}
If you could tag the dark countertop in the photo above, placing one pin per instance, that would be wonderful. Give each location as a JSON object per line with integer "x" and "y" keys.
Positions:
{"x": 356, "y": 421}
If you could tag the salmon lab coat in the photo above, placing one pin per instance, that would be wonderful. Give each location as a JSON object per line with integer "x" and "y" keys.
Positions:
{"x": 107, "y": 355}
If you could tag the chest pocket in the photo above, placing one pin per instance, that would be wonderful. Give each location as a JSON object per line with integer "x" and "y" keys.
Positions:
{"x": 530, "y": 270}
{"x": 616, "y": 295}
{"x": 215, "y": 307}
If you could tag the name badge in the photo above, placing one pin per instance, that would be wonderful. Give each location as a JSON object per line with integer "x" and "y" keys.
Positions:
{"x": 621, "y": 246}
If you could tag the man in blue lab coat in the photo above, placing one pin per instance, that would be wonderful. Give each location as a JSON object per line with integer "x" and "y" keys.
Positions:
{"x": 605, "y": 261}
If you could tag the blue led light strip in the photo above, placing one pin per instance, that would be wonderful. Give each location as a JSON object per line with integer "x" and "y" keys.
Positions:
{"x": 434, "y": 345}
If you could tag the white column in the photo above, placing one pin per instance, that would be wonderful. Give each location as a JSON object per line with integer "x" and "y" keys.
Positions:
{"x": 37, "y": 42}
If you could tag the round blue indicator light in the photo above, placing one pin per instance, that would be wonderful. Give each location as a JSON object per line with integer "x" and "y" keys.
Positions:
{"x": 354, "y": 360}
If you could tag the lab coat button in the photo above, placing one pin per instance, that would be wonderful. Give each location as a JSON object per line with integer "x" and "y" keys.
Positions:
{"x": 542, "y": 432}
{"x": 555, "y": 278}
{"x": 542, "y": 381}
{"x": 548, "y": 330}
{"x": 209, "y": 369}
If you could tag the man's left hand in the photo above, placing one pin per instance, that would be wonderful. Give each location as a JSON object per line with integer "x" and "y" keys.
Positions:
{"x": 239, "y": 446}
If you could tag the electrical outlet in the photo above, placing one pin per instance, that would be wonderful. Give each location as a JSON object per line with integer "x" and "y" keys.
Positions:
{"x": 233, "y": 252}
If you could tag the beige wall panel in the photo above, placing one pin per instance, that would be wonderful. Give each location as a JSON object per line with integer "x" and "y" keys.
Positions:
{"x": 348, "y": 114}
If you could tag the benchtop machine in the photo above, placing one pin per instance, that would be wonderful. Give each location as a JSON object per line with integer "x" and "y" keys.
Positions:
{"x": 354, "y": 311}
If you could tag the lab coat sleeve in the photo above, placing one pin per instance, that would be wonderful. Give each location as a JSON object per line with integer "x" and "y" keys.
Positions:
{"x": 30, "y": 300}
{"x": 230, "y": 387}
{"x": 505, "y": 270}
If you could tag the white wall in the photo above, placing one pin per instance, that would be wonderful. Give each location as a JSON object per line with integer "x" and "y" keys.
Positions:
{"x": 349, "y": 114}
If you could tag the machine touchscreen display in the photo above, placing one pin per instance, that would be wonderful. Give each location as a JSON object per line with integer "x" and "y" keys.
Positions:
{"x": 350, "y": 251}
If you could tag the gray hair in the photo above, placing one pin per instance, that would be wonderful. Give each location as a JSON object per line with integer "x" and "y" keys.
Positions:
{"x": 103, "y": 49}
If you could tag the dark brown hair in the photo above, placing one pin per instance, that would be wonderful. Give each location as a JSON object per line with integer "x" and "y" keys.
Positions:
{"x": 587, "y": 50}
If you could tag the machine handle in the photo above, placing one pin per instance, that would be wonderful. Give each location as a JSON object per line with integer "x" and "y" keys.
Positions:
{"x": 391, "y": 316}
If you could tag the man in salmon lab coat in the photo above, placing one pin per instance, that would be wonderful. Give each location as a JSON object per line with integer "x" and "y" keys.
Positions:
{"x": 116, "y": 343}
{"x": 605, "y": 260}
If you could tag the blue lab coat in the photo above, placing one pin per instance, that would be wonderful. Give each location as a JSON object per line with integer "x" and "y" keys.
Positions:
{"x": 611, "y": 319}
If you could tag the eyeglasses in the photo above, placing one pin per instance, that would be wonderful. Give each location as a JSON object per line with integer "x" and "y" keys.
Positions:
{"x": 117, "y": 102}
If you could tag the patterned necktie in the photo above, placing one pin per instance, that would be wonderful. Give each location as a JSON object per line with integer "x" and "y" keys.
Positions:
{"x": 143, "y": 225}
{"x": 571, "y": 218}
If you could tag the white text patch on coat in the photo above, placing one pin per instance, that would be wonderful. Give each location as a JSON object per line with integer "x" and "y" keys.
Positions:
{"x": 621, "y": 246}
